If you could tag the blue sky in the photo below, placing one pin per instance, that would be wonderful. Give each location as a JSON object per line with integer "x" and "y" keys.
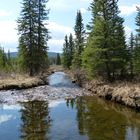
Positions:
{"x": 61, "y": 20}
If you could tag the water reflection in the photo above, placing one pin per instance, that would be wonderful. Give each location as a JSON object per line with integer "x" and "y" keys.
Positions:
{"x": 5, "y": 118}
{"x": 35, "y": 120}
{"x": 83, "y": 118}
{"x": 101, "y": 121}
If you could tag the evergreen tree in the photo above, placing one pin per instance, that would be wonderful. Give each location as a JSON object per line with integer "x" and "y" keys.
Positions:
{"x": 4, "y": 58}
{"x": 105, "y": 53}
{"x": 65, "y": 53}
{"x": 1, "y": 58}
{"x": 79, "y": 40}
{"x": 9, "y": 55}
{"x": 68, "y": 51}
{"x": 33, "y": 36}
{"x": 137, "y": 44}
{"x": 5, "y": 64}
{"x": 9, "y": 58}
{"x": 43, "y": 35}
{"x": 71, "y": 49}
{"x": 131, "y": 54}
{"x": 58, "y": 59}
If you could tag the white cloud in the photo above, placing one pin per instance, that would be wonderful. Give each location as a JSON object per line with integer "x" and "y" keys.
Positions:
{"x": 85, "y": 0}
{"x": 54, "y": 27}
{"x": 59, "y": 5}
{"x": 83, "y": 10}
{"x": 11, "y": 107}
{"x": 8, "y": 32}
{"x": 56, "y": 41}
{"x": 128, "y": 31}
{"x": 4, "y": 13}
{"x": 128, "y": 10}
{"x": 68, "y": 5}
{"x": 58, "y": 33}
{"x": 55, "y": 45}
{"x": 5, "y": 118}
{"x": 55, "y": 103}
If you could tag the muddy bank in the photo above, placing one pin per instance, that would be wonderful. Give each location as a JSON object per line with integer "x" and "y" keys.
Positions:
{"x": 126, "y": 93}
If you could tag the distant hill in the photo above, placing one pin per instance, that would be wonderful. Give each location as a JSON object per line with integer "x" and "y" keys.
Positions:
{"x": 13, "y": 54}
{"x": 50, "y": 54}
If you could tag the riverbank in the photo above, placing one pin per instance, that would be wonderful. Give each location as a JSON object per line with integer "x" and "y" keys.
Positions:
{"x": 126, "y": 93}
{"x": 9, "y": 81}
{"x": 122, "y": 92}
{"x": 60, "y": 87}
{"x": 18, "y": 81}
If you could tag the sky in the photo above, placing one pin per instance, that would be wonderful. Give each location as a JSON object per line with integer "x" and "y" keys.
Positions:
{"x": 61, "y": 20}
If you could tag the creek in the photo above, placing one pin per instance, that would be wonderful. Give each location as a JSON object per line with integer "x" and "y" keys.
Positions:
{"x": 64, "y": 111}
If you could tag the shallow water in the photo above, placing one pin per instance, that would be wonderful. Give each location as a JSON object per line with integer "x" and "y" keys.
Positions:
{"x": 60, "y": 79}
{"x": 82, "y": 118}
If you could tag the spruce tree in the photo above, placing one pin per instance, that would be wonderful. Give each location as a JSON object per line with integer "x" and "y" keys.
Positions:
{"x": 32, "y": 50}
{"x": 79, "y": 40}
{"x": 42, "y": 35}
{"x": 68, "y": 51}
{"x": 131, "y": 54}
{"x": 65, "y": 53}
{"x": 4, "y": 58}
{"x": 71, "y": 49}
{"x": 105, "y": 54}
{"x": 137, "y": 44}
{"x": 58, "y": 59}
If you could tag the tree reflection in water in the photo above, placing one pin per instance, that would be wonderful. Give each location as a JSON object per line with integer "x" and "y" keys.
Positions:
{"x": 101, "y": 121}
{"x": 35, "y": 120}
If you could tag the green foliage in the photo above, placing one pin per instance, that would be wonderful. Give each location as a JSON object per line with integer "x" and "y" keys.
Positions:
{"x": 131, "y": 53}
{"x": 79, "y": 40}
{"x": 58, "y": 59}
{"x": 5, "y": 61}
{"x": 32, "y": 50}
{"x": 65, "y": 53}
{"x": 136, "y": 56}
{"x": 68, "y": 51}
{"x": 137, "y": 44}
{"x": 105, "y": 53}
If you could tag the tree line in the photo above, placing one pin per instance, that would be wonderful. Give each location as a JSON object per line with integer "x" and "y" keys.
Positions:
{"x": 7, "y": 63}
{"x": 102, "y": 51}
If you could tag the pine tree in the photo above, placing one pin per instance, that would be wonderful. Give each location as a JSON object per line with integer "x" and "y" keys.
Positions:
{"x": 79, "y": 40}
{"x": 68, "y": 51}
{"x": 9, "y": 55}
{"x": 65, "y": 53}
{"x": 105, "y": 53}
{"x": 71, "y": 49}
{"x": 33, "y": 36}
{"x": 43, "y": 35}
{"x": 58, "y": 59}
{"x": 137, "y": 44}
{"x": 1, "y": 58}
{"x": 131, "y": 54}
{"x": 4, "y": 58}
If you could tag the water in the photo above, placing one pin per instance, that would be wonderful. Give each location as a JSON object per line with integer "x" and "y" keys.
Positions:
{"x": 60, "y": 79}
{"x": 82, "y": 118}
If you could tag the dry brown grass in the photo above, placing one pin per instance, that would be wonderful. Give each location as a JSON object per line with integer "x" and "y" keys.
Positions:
{"x": 19, "y": 81}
